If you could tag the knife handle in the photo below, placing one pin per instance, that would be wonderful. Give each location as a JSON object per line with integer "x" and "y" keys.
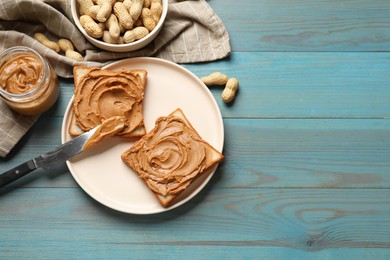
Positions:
{"x": 17, "y": 172}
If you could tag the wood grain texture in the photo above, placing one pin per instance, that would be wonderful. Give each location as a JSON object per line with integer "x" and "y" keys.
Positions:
{"x": 320, "y": 25}
{"x": 220, "y": 221}
{"x": 305, "y": 85}
{"x": 296, "y": 85}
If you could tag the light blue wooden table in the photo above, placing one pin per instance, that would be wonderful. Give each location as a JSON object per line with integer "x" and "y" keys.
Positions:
{"x": 306, "y": 173}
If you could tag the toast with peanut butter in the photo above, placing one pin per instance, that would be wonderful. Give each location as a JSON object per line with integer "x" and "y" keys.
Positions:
{"x": 100, "y": 94}
{"x": 171, "y": 156}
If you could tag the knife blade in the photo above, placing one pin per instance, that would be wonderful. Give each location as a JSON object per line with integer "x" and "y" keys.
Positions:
{"x": 48, "y": 160}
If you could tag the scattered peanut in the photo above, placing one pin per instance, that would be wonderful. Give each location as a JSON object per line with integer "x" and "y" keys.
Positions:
{"x": 64, "y": 45}
{"x": 135, "y": 34}
{"x": 147, "y": 19}
{"x": 123, "y": 15}
{"x": 90, "y": 26}
{"x": 215, "y": 79}
{"x": 45, "y": 41}
{"x": 67, "y": 47}
{"x": 220, "y": 79}
{"x": 74, "y": 55}
{"x": 119, "y": 17}
{"x": 230, "y": 90}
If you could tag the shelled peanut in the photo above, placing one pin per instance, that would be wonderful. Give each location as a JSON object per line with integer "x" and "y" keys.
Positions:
{"x": 230, "y": 90}
{"x": 220, "y": 79}
{"x": 64, "y": 45}
{"x": 125, "y": 21}
{"x": 48, "y": 43}
{"x": 67, "y": 47}
{"x": 215, "y": 78}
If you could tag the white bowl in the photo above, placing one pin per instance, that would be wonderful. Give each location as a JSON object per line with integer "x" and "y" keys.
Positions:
{"x": 126, "y": 47}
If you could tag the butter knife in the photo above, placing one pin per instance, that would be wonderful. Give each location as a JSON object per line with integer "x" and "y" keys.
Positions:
{"x": 48, "y": 160}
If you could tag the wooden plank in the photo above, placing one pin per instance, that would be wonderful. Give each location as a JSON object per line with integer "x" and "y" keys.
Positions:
{"x": 41, "y": 223}
{"x": 295, "y": 25}
{"x": 307, "y": 153}
{"x": 323, "y": 153}
{"x": 296, "y": 85}
{"x": 305, "y": 85}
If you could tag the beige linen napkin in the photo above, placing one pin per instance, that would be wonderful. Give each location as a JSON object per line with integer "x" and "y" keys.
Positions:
{"x": 191, "y": 33}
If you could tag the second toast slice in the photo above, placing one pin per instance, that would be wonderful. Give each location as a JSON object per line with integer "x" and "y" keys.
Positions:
{"x": 171, "y": 156}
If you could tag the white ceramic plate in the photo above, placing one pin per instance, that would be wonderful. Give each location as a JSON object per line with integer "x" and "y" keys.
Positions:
{"x": 101, "y": 173}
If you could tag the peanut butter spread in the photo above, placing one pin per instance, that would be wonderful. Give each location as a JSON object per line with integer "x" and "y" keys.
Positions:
{"x": 28, "y": 83}
{"x": 107, "y": 129}
{"x": 21, "y": 74}
{"x": 102, "y": 94}
{"x": 169, "y": 157}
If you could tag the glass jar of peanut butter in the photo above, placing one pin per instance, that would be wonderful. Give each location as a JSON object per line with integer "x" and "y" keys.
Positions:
{"x": 28, "y": 83}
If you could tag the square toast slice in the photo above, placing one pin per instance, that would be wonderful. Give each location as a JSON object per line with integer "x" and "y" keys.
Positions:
{"x": 100, "y": 94}
{"x": 171, "y": 156}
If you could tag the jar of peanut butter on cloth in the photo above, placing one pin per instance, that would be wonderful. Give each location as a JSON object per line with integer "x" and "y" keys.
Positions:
{"x": 28, "y": 83}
